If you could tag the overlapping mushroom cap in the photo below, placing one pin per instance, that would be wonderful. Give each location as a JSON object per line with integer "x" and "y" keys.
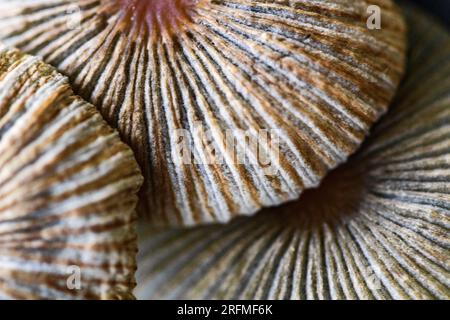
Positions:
{"x": 189, "y": 83}
{"x": 68, "y": 190}
{"x": 377, "y": 228}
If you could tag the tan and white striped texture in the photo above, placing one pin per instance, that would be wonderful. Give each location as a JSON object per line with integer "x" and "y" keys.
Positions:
{"x": 68, "y": 190}
{"x": 377, "y": 228}
{"x": 311, "y": 70}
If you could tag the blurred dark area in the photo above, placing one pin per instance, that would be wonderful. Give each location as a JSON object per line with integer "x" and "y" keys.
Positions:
{"x": 438, "y": 8}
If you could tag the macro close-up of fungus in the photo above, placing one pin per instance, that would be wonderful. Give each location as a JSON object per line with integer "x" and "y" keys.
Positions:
{"x": 376, "y": 228}
{"x": 313, "y": 76}
{"x": 224, "y": 150}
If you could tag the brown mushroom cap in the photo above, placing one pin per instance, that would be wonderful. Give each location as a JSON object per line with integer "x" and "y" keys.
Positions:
{"x": 377, "y": 228}
{"x": 68, "y": 190}
{"x": 309, "y": 77}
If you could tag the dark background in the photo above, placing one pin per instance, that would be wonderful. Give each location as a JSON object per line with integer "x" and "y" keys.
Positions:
{"x": 440, "y": 8}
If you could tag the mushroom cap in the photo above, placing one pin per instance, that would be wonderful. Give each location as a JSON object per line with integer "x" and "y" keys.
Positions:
{"x": 376, "y": 228}
{"x": 293, "y": 86}
{"x": 68, "y": 191}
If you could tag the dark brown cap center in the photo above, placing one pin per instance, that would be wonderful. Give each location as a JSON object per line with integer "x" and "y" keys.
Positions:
{"x": 158, "y": 17}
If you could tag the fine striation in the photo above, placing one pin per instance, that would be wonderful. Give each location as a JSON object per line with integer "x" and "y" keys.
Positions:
{"x": 377, "y": 228}
{"x": 68, "y": 190}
